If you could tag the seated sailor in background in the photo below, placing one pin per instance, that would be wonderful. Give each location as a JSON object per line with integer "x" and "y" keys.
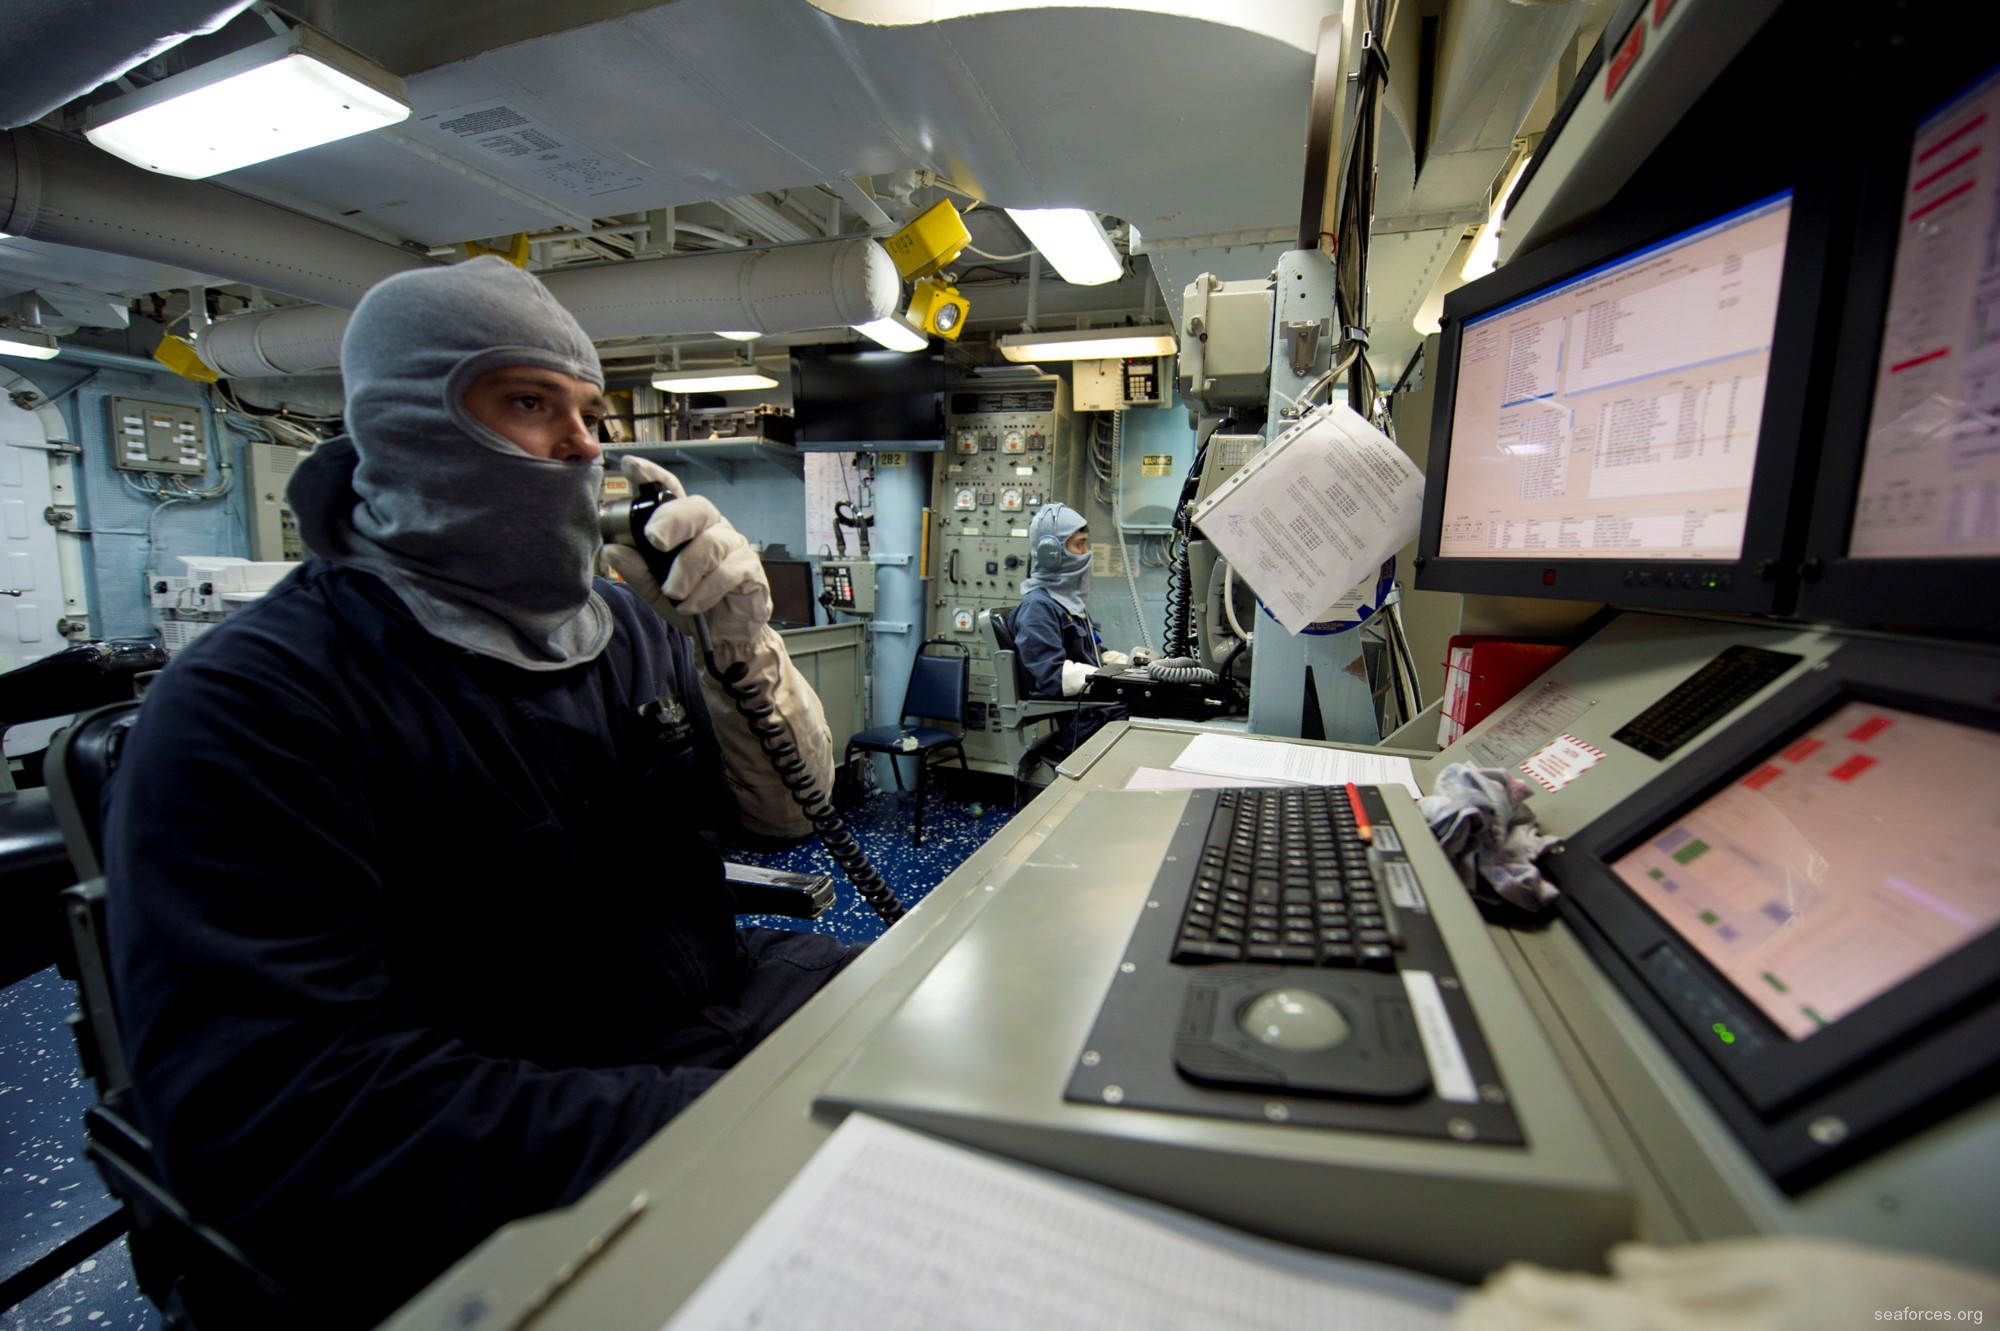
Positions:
{"x": 1058, "y": 645}
{"x": 415, "y": 929}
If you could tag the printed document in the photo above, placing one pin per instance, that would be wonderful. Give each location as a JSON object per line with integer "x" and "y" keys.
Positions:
{"x": 1315, "y": 513}
{"x": 889, "y": 1230}
{"x": 1263, "y": 761}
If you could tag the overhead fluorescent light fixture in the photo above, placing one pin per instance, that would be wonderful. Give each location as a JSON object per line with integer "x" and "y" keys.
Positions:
{"x": 21, "y": 342}
{"x": 1089, "y": 343}
{"x": 738, "y": 337}
{"x": 1073, "y": 240}
{"x": 893, "y": 333}
{"x": 296, "y": 90}
{"x": 722, "y": 380}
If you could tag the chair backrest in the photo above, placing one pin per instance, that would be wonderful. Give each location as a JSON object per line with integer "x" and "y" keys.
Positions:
{"x": 1010, "y": 681}
{"x": 939, "y": 684}
{"x": 167, "y": 1242}
{"x": 79, "y": 768}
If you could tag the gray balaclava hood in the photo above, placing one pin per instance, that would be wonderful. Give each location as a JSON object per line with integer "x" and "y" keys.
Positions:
{"x": 490, "y": 547}
{"x": 1064, "y": 576}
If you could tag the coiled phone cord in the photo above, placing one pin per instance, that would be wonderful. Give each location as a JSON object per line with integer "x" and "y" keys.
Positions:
{"x": 624, "y": 522}
{"x": 1174, "y": 641}
{"x": 756, "y": 708}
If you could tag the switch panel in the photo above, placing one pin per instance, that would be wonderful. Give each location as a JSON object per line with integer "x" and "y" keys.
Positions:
{"x": 1012, "y": 445}
{"x": 157, "y": 436}
{"x": 850, "y": 584}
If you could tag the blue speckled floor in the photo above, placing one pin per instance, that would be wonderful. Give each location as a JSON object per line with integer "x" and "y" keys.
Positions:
{"x": 48, "y": 1191}
{"x": 955, "y": 825}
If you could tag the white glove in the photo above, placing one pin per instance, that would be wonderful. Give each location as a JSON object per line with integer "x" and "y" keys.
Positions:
{"x": 720, "y": 576}
{"x": 1144, "y": 656}
{"x": 1075, "y": 675}
{"x": 1755, "y": 1284}
{"x": 1114, "y": 658}
{"x": 717, "y": 575}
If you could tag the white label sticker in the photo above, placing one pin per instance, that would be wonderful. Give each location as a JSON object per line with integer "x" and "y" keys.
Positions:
{"x": 507, "y": 137}
{"x": 1451, "y": 1075}
{"x": 1561, "y": 761}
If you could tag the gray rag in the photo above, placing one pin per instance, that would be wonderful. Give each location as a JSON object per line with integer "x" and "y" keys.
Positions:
{"x": 490, "y": 547}
{"x": 1067, "y": 578}
{"x": 1478, "y": 815}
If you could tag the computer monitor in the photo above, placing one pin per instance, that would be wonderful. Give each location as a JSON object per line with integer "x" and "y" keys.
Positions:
{"x": 792, "y": 593}
{"x": 1619, "y": 413}
{"x": 1906, "y": 524}
{"x": 1804, "y": 909}
{"x": 844, "y": 399}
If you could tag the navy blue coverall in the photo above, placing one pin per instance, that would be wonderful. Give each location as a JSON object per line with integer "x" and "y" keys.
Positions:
{"x": 410, "y": 942}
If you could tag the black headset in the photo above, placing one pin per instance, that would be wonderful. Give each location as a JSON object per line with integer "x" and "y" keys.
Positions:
{"x": 1049, "y": 549}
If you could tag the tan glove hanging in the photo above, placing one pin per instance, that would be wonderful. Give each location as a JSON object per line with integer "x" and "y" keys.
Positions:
{"x": 718, "y": 576}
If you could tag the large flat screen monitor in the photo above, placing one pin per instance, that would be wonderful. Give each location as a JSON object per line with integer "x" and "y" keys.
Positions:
{"x": 1806, "y": 907}
{"x": 1906, "y": 526}
{"x": 1619, "y": 419}
{"x": 846, "y": 399}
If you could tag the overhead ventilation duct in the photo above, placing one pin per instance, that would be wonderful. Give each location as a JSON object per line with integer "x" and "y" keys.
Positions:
{"x": 68, "y": 193}
{"x": 78, "y": 46}
{"x": 291, "y": 340}
{"x": 1494, "y": 59}
{"x": 828, "y": 284}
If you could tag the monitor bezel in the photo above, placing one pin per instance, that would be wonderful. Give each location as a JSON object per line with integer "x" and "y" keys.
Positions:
{"x": 1932, "y": 591}
{"x": 811, "y": 578}
{"x": 909, "y": 440}
{"x": 1758, "y": 580}
{"x": 1877, "y": 1070}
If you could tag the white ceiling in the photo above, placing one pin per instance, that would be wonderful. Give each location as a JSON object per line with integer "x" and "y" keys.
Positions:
{"x": 1186, "y": 118}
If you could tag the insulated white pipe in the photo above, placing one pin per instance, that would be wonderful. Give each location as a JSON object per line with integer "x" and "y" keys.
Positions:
{"x": 823, "y": 285}
{"x": 68, "y": 193}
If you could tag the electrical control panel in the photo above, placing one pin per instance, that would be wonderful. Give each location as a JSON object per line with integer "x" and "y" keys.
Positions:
{"x": 274, "y": 532}
{"x": 850, "y": 585}
{"x": 158, "y": 436}
{"x": 1009, "y": 449}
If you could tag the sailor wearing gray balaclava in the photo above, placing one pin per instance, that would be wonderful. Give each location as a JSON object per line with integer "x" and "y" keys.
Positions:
{"x": 1052, "y": 631}
{"x": 488, "y": 546}
{"x": 1052, "y": 566}
{"x": 431, "y": 933}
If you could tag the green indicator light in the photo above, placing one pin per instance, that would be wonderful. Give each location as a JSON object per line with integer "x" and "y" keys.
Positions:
{"x": 1723, "y": 1033}
{"x": 1709, "y": 917}
{"x": 1691, "y": 852}
{"x": 1656, "y": 874}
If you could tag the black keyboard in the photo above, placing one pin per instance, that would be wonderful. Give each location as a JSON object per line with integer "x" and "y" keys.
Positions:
{"x": 1703, "y": 698}
{"x": 1284, "y": 876}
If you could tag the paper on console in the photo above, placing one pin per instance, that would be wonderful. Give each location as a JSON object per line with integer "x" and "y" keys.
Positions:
{"x": 1315, "y": 512}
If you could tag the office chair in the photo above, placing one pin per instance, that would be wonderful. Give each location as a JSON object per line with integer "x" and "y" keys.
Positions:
{"x": 937, "y": 691}
{"x": 1014, "y": 699}
{"x": 168, "y": 1245}
{"x": 170, "y": 1248}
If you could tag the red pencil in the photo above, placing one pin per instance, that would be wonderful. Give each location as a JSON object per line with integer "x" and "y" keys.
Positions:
{"x": 1360, "y": 814}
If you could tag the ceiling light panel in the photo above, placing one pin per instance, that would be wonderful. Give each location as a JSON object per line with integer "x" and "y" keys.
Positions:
{"x": 1074, "y": 243}
{"x": 894, "y": 334}
{"x": 295, "y": 91}
{"x": 712, "y": 381}
{"x": 20, "y": 342}
{"x": 1089, "y": 344}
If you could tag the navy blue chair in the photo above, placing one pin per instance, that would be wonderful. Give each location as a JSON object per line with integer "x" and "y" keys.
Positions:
{"x": 939, "y": 685}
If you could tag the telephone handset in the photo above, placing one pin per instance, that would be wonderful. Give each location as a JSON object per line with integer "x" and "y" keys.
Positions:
{"x": 623, "y": 522}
